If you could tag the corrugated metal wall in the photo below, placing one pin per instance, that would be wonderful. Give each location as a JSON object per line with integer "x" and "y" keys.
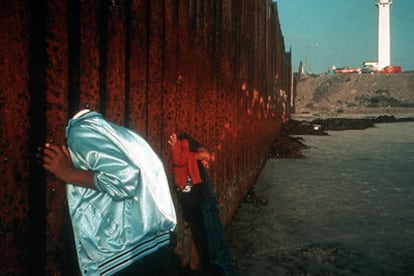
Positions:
{"x": 215, "y": 69}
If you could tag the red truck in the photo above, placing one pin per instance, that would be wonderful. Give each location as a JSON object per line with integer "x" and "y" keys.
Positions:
{"x": 391, "y": 69}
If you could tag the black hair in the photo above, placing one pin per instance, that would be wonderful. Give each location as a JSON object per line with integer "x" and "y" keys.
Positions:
{"x": 194, "y": 144}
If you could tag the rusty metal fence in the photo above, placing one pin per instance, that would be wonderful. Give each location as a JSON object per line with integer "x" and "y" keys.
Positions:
{"x": 215, "y": 69}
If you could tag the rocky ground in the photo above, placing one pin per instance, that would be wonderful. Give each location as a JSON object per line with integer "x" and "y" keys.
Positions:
{"x": 344, "y": 101}
{"x": 355, "y": 94}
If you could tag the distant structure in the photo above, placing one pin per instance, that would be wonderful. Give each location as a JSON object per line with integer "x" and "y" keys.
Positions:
{"x": 384, "y": 37}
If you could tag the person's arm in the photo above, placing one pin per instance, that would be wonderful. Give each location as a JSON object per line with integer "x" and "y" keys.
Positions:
{"x": 203, "y": 154}
{"x": 57, "y": 161}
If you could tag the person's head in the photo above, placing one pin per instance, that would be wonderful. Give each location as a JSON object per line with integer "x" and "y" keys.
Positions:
{"x": 194, "y": 144}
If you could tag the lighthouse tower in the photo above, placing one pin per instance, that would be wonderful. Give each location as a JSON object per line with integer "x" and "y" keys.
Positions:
{"x": 384, "y": 39}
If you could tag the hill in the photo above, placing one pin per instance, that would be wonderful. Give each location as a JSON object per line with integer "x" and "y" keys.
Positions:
{"x": 346, "y": 95}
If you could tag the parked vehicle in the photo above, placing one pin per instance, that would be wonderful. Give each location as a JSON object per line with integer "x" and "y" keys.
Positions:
{"x": 368, "y": 69}
{"x": 391, "y": 69}
{"x": 345, "y": 70}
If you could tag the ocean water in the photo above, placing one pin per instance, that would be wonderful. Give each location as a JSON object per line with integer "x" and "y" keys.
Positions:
{"x": 345, "y": 209}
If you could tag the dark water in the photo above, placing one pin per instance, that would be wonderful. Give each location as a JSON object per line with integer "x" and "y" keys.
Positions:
{"x": 346, "y": 209}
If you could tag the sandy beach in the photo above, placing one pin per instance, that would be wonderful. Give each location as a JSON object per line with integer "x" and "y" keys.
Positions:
{"x": 347, "y": 208}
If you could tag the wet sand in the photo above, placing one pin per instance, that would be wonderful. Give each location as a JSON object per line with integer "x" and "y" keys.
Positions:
{"x": 345, "y": 209}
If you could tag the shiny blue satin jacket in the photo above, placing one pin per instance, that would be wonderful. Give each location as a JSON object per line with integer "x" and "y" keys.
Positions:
{"x": 131, "y": 212}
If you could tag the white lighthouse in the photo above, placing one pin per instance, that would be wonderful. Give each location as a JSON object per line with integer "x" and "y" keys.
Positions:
{"x": 384, "y": 37}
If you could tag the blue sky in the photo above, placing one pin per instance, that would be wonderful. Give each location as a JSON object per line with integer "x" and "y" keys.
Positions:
{"x": 323, "y": 33}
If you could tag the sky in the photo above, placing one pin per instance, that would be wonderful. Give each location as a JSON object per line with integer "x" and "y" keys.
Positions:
{"x": 323, "y": 33}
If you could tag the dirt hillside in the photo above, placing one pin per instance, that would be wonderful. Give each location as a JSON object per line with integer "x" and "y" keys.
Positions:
{"x": 356, "y": 94}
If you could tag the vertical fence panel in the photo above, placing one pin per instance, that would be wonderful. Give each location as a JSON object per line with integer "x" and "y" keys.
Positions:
{"x": 169, "y": 82}
{"x": 222, "y": 113}
{"x": 14, "y": 138}
{"x": 186, "y": 62}
{"x": 56, "y": 114}
{"x": 213, "y": 101}
{"x": 138, "y": 69}
{"x": 243, "y": 104}
{"x": 115, "y": 64}
{"x": 155, "y": 73}
{"x": 89, "y": 55}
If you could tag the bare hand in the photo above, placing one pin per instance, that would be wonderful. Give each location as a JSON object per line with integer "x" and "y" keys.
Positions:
{"x": 57, "y": 161}
{"x": 172, "y": 140}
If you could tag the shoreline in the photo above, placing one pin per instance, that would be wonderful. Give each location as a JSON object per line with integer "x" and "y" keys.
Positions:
{"x": 356, "y": 114}
{"x": 311, "y": 125}
{"x": 288, "y": 145}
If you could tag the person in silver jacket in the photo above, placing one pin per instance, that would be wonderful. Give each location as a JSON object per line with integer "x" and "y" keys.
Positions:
{"x": 118, "y": 194}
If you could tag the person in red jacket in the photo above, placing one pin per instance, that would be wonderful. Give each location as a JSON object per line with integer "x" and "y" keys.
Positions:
{"x": 199, "y": 204}
{"x": 190, "y": 193}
